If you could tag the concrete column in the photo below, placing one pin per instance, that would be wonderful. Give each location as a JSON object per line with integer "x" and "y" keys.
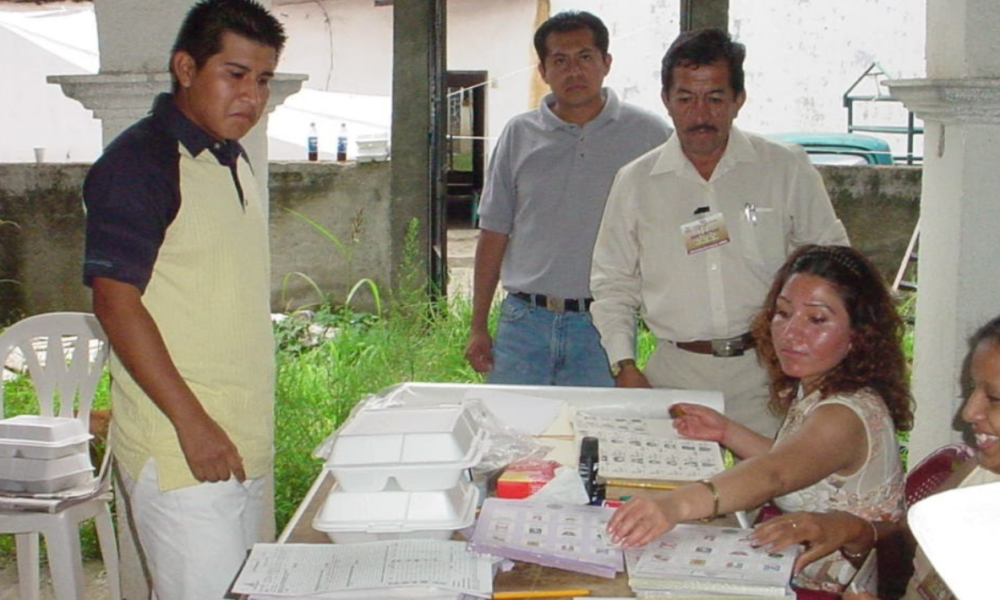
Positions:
{"x": 135, "y": 38}
{"x": 699, "y": 14}
{"x": 418, "y": 131}
{"x": 958, "y": 286}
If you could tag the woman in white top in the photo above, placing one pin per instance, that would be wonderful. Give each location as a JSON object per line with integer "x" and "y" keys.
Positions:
{"x": 830, "y": 338}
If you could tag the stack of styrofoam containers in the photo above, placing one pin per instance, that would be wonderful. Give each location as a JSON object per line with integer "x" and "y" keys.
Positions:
{"x": 372, "y": 147}
{"x": 41, "y": 455}
{"x": 401, "y": 474}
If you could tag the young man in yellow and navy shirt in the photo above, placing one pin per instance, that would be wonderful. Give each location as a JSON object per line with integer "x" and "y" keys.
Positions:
{"x": 177, "y": 258}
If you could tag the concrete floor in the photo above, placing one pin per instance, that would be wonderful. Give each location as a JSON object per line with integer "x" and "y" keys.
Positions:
{"x": 93, "y": 575}
{"x": 461, "y": 252}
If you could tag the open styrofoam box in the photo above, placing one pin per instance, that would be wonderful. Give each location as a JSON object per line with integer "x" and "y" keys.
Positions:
{"x": 424, "y": 448}
{"x": 350, "y": 517}
{"x": 41, "y": 437}
{"x": 44, "y": 476}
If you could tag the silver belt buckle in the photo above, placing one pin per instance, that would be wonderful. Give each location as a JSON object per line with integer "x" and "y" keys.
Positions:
{"x": 727, "y": 348}
{"x": 555, "y": 304}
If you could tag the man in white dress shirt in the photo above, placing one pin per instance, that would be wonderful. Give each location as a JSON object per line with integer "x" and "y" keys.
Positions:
{"x": 694, "y": 231}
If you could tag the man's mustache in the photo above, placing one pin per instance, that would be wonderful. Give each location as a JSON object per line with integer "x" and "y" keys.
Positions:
{"x": 699, "y": 128}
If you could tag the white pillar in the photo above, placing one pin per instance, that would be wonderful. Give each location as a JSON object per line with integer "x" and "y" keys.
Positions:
{"x": 958, "y": 286}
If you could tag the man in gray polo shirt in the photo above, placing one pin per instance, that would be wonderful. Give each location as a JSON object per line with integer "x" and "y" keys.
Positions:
{"x": 548, "y": 181}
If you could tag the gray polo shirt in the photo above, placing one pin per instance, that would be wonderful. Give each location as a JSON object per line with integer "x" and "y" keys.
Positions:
{"x": 547, "y": 185}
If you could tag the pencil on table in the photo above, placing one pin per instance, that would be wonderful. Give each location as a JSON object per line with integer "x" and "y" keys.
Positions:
{"x": 540, "y": 594}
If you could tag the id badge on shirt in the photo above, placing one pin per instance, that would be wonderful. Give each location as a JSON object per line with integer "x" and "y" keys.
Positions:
{"x": 704, "y": 233}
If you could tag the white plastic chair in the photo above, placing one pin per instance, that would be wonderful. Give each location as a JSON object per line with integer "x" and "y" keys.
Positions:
{"x": 64, "y": 355}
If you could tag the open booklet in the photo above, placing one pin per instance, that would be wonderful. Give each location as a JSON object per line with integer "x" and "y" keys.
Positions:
{"x": 641, "y": 449}
{"x": 693, "y": 560}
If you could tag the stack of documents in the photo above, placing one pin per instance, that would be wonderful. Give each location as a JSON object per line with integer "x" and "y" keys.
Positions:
{"x": 549, "y": 533}
{"x": 387, "y": 569}
{"x": 705, "y": 561}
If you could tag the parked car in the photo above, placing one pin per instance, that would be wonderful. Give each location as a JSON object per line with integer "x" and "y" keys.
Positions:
{"x": 840, "y": 148}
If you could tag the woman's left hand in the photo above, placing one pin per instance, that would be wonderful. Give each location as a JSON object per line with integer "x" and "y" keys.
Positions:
{"x": 821, "y": 533}
{"x": 638, "y": 522}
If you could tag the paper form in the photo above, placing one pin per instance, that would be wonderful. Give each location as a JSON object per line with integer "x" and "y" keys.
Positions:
{"x": 312, "y": 569}
{"x": 636, "y": 448}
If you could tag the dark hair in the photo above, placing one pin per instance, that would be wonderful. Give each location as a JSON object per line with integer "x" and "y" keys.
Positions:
{"x": 201, "y": 32}
{"x": 875, "y": 359}
{"x": 571, "y": 20}
{"x": 990, "y": 331}
{"x": 704, "y": 47}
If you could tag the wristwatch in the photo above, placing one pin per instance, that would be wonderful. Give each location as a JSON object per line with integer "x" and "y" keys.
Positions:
{"x": 616, "y": 368}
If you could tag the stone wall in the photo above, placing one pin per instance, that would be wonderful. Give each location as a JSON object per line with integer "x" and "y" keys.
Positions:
{"x": 312, "y": 204}
{"x": 879, "y": 207}
{"x": 330, "y": 228}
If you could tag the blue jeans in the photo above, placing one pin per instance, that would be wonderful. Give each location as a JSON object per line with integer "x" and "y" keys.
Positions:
{"x": 535, "y": 346}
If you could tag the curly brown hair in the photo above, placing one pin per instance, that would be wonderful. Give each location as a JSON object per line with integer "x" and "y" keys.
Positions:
{"x": 875, "y": 360}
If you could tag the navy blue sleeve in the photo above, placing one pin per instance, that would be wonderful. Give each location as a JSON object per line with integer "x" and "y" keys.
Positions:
{"x": 131, "y": 195}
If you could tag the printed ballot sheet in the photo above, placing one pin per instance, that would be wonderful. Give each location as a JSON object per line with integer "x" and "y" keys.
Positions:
{"x": 313, "y": 569}
{"x": 637, "y": 448}
{"x": 555, "y": 534}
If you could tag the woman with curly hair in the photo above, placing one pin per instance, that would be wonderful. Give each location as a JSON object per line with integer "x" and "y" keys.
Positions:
{"x": 830, "y": 337}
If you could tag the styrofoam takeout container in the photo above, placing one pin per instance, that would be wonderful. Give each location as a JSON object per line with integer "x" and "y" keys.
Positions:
{"x": 39, "y": 428}
{"x": 423, "y": 448}
{"x": 40, "y": 437}
{"x": 44, "y": 476}
{"x": 372, "y": 147}
{"x": 351, "y": 517}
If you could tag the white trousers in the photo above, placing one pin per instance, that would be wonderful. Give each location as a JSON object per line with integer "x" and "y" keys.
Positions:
{"x": 194, "y": 539}
{"x": 741, "y": 379}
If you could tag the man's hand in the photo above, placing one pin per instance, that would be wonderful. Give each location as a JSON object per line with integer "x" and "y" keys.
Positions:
{"x": 209, "y": 452}
{"x": 137, "y": 342}
{"x": 479, "y": 351}
{"x": 631, "y": 377}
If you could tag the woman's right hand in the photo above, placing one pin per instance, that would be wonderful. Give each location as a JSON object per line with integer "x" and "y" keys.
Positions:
{"x": 699, "y": 422}
{"x": 639, "y": 521}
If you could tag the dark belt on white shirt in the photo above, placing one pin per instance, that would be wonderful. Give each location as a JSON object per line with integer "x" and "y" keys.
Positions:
{"x": 724, "y": 348}
{"x": 555, "y": 304}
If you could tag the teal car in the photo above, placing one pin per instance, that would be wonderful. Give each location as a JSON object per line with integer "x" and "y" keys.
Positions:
{"x": 840, "y": 148}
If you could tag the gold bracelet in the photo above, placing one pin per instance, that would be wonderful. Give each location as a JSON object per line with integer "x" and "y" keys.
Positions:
{"x": 715, "y": 499}
{"x": 860, "y": 555}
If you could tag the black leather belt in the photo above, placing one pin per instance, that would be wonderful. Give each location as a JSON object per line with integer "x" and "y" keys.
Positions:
{"x": 734, "y": 346}
{"x": 555, "y": 304}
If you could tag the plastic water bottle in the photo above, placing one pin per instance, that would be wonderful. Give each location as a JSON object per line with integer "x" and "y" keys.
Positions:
{"x": 342, "y": 143}
{"x": 313, "y": 143}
